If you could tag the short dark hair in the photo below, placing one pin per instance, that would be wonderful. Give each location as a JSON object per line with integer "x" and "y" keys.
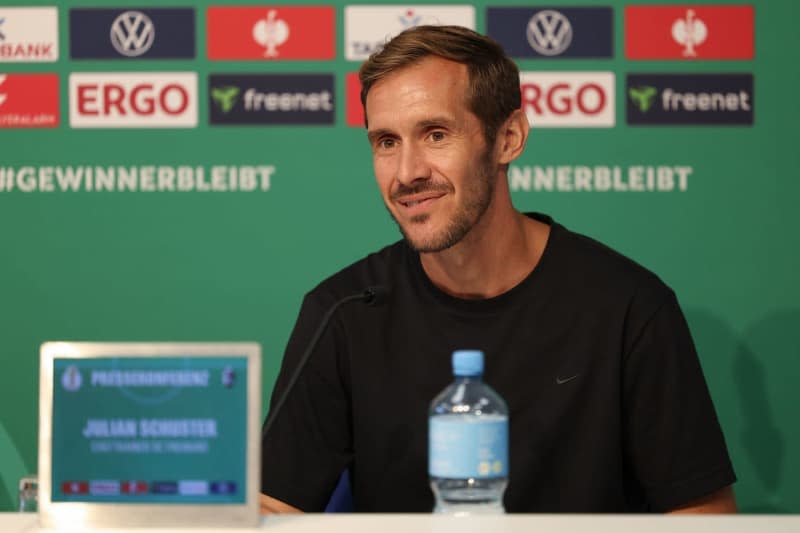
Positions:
{"x": 494, "y": 91}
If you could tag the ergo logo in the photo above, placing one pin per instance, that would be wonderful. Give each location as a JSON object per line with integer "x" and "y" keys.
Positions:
{"x": 568, "y": 99}
{"x": 133, "y": 100}
{"x": 144, "y": 99}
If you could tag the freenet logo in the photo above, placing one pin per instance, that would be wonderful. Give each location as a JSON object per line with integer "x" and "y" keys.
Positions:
{"x": 568, "y": 99}
{"x": 553, "y": 32}
{"x": 135, "y": 100}
{"x": 29, "y": 101}
{"x": 367, "y": 28}
{"x": 146, "y": 33}
{"x": 723, "y": 99}
{"x": 28, "y": 34}
{"x": 689, "y": 32}
{"x": 271, "y": 99}
{"x": 271, "y": 33}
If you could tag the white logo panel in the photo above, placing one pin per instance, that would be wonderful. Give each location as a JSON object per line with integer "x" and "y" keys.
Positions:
{"x": 568, "y": 99}
{"x": 135, "y": 100}
{"x": 28, "y": 34}
{"x": 366, "y": 28}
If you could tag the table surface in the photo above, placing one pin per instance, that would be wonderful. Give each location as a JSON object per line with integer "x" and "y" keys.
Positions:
{"x": 414, "y": 523}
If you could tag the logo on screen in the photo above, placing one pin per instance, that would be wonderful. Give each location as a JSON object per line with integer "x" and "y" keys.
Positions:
{"x": 643, "y": 97}
{"x": 689, "y": 32}
{"x": 368, "y": 27}
{"x": 71, "y": 378}
{"x": 568, "y": 99}
{"x": 690, "y": 99}
{"x": 252, "y": 32}
{"x": 410, "y": 19}
{"x": 151, "y": 33}
{"x": 29, "y": 101}
{"x": 135, "y": 100}
{"x": 228, "y": 377}
{"x": 28, "y": 34}
{"x": 529, "y": 32}
{"x": 225, "y": 97}
{"x": 549, "y": 32}
{"x": 271, "y": 99}
{"x": 132, "y": 33}
{"x": 271, "y": 33}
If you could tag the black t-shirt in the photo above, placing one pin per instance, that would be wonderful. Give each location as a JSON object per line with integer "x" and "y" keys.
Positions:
{"x": 609, "y": 410}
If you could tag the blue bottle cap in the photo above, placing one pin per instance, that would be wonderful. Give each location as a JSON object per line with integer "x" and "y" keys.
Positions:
{"x": 467, "y": 363}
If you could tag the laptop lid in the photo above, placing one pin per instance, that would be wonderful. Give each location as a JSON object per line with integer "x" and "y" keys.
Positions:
{"x": 149, "y": 434}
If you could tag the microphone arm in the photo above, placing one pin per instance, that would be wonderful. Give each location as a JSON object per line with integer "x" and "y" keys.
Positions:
{"x": 370, "y": 296}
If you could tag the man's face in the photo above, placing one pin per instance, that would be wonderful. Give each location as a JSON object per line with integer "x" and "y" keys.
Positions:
{"x": 431, "y": 162}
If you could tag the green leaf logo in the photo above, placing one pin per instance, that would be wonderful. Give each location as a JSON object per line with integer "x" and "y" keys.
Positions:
{"x": 643, "y": 97}
{"x": 225, "y": 97}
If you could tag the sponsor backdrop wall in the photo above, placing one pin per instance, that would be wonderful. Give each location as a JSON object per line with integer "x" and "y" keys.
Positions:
{"x": 185, "y": 171}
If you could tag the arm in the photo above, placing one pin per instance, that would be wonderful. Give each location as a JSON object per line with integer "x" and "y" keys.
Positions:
{"x": 674, "y": 439}
{"x": 722, "y": 501}
{"x": 270, "y": 505}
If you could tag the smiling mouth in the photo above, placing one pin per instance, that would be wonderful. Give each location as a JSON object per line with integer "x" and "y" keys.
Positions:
{"x": 414, "y": 203}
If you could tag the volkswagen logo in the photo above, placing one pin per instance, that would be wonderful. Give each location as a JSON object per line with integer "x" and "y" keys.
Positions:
{"x": 132, "y": 33}
{"x": 549, "y": 32}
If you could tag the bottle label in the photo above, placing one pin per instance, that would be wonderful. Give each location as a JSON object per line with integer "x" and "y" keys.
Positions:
{"x": 466, "y": 446}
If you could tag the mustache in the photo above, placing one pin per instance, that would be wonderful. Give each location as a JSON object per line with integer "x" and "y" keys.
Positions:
{"x": 425, "y": 187}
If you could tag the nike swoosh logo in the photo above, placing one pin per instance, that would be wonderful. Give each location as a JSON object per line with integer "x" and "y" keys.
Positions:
{"x": 560, "y": 381}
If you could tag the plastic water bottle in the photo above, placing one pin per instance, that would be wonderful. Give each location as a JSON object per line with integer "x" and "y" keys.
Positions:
{"x": 468, "y": 442}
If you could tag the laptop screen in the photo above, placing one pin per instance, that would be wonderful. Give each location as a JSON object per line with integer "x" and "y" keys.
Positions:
{"x": 169, "y": 428}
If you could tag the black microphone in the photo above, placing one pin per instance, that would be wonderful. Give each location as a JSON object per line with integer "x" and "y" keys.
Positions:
{"x": 375, "y": 295}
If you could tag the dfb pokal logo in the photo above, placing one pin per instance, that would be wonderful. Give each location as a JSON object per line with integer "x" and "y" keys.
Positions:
{"x": 132, "y": 33}
{"x": 271, "y": 33}
{"x": 549, "y": 32}
{"x": 689, "y": 32}
{"x": 71, "y": 379}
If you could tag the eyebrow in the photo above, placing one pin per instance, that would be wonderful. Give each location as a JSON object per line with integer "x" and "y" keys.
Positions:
{"x": 421, "y": 125}
{"x": 376, "y": 134}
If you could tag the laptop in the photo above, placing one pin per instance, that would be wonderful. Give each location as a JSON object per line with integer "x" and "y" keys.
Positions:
{"x": 149, "y": 434}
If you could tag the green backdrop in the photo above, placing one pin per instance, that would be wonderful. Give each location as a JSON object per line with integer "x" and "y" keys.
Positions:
{"x": 234, "y": 266}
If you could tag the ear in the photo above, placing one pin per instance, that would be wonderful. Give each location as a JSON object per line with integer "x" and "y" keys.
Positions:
{"x": 511, "y": 137}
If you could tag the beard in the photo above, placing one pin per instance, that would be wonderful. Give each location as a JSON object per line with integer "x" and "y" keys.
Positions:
{"x": 478, "y": 195}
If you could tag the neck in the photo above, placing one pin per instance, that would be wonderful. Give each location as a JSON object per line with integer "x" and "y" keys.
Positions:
{"x": 497, "y": 254}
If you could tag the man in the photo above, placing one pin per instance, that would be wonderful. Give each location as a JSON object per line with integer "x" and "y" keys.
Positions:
{"x": 609, "y": 410}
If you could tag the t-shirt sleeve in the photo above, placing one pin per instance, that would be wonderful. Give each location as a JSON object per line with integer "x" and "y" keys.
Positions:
{"x": 309, "y": 444}
{"x": 674, "y": 442}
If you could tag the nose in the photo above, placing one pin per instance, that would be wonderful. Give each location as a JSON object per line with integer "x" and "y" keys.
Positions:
{"x": 412, "y": 165}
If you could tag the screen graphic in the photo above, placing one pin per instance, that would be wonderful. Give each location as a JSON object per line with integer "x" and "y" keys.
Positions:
{"x": 150, "y": 430}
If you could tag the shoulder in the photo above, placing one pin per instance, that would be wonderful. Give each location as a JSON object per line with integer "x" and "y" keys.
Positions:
{"x": 588, "y": 269}
{"x": 380, "y": 268}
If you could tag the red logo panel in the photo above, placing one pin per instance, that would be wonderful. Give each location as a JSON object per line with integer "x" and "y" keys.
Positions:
{"x": 271, "y": 32}
{"x": 355, "y": 111}
{"x": 29, "y": 101}
{"x": 689, "y": 32}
